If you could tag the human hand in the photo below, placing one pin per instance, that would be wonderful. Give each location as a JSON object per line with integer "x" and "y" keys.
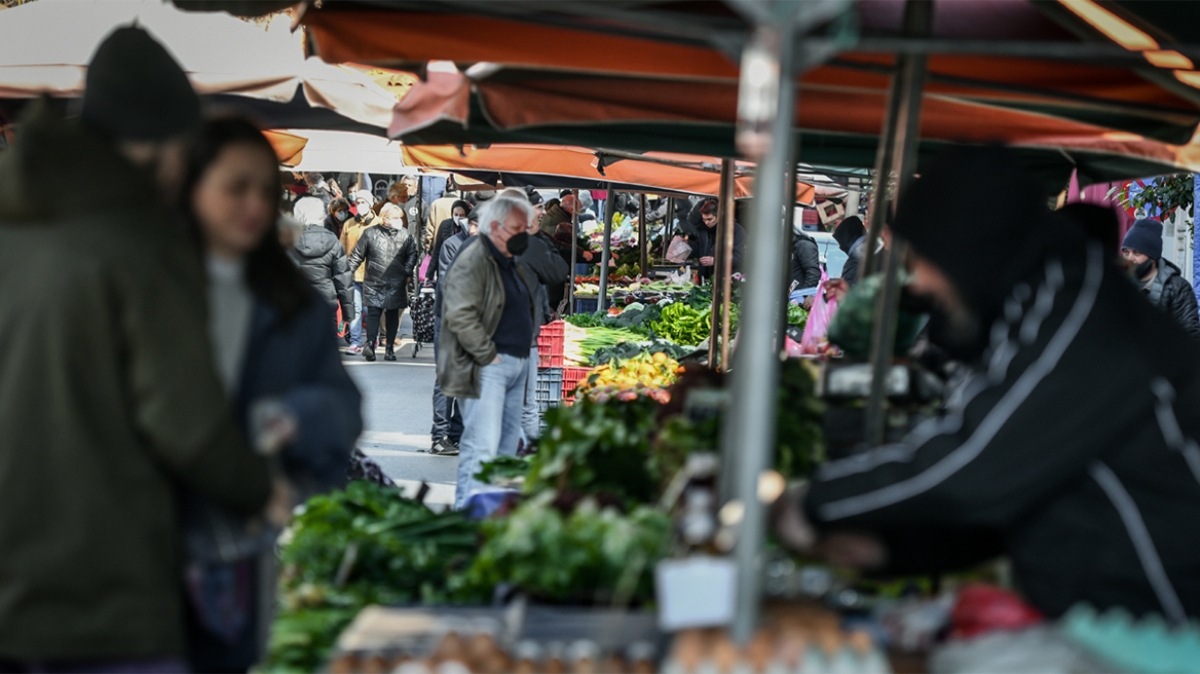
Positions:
{"x": 836, "y": 289}
{"x": 789, "y": 522}
{"x": 808, "y": 303}
{"x": 707, "y": 261}
{"x": 497, "y": 360}
{"x": 279, "y": 507}
{"x": 272, "y": 426}
{"x": 587, "y": 255}
{"x": 852, "y": 550}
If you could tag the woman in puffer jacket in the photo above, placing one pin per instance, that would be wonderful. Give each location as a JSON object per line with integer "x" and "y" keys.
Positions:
{"x": 391, "y": 256}
{"x": 321, "y": 257}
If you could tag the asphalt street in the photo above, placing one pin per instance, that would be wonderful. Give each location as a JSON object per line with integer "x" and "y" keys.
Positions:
{"x": 397, "y": 414}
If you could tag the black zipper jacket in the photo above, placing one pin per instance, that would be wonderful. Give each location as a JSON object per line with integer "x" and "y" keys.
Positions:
{"x": 1073, "y": 449}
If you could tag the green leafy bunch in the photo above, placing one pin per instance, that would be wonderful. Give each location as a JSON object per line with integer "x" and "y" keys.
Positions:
{"x": 364, "y": 545}
{"x": 597, "y": 448}
{"x": 683, "y": 324}
{"x": 592, "y": 555}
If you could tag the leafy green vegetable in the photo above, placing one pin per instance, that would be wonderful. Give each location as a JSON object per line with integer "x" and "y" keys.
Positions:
{"x": 683, "y": 324}
{"x": 597, "y": 448}
{"x": 364, "y": 545}
{"x": 797, "y": 316}
{"x": 502, "y": 468}
{"x": 588, "y": 556}
{"x": 623, "y": 351}
{"x": 854, "y": 321}
{"x": 586, "y": 320}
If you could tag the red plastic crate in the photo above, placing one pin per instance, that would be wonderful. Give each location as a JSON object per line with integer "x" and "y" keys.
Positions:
{"x": 550, "y": 345}
{"x": 572, "y": 377}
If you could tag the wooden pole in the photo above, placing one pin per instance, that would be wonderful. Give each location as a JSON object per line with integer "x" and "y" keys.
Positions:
{"x": 728, "y": 223}
{"x": 643, "y": 239}
{"x": 574, "y": 253}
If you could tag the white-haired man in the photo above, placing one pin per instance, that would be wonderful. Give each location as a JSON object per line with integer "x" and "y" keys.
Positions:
{"x": 488, "y": 318}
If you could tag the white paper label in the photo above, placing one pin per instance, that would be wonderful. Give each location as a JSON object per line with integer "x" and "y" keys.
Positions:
{"x": 695, "y": 592}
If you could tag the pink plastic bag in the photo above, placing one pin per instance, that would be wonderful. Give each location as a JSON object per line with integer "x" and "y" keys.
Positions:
{"x": 424, "y": 266}
{"x": 818, "y": 320}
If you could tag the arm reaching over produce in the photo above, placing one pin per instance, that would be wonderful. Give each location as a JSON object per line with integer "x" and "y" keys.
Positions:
{"x": 1071, "y": 442}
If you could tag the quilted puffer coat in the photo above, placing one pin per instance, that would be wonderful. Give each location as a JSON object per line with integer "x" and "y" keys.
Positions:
{"x": 391, "y": 256}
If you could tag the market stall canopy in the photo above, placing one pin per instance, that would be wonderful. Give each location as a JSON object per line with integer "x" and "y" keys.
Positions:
{"x": 650, "y": 171}
{"x": 348, "y": 152}
{"x": 1042, "y": 62}
{"x": 289, "y": 147}
{"x": 261, "y": 70}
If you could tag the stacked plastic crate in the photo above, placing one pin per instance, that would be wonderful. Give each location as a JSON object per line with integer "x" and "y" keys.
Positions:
{"x": 550, "y": 366}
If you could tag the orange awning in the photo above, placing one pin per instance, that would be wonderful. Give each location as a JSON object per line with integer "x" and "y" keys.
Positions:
{"x": 654, "y": 171}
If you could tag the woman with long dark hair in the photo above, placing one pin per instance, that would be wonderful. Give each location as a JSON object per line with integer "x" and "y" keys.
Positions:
{"x": 279, "y": 362}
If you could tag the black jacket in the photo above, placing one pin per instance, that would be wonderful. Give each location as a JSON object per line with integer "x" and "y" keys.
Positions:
{"x": 552, "y": 272}
{"x": 334, "y": 225}
{"x": 321, "y": 257}
{"x": 445, "y": 230}
{"x": 1072, "y": 448}
{"x": 704, "y": 244}
{"x": 854, "y": 259}
{"x": 391, "y": 256}
{"x": 806, "y": 262}
{"x": 1174, "y": 295}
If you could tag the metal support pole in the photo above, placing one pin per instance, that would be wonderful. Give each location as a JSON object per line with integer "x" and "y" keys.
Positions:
{"x": 749, "y": 431}
{"x": 909, "y": 84}
{"x": 720, "y": 298}
{"x": 729, "y": 222}
{"x": 643, "y": 236}
{"x": 574, "y": 253}
{"x": 606, "y": 246}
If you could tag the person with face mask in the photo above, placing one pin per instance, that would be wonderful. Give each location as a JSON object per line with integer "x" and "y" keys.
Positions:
{"x": 1161, "y": 282}
{"x": 321, "y": 258}
{"x": 363, "y": 219}
{"x": 1070, "y": 446}
{"x": 339, "y": 213}
{"x": 454, "y": 224}
{"x": 390, "y": 257}
{"x": 488, "y": 319}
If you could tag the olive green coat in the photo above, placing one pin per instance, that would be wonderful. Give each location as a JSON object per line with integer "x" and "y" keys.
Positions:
{"x": 109, "y": 404}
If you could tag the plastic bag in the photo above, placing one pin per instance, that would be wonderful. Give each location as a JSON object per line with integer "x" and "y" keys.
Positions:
{"x": 424, "y": 266}
{"x": 818, "y": 320}
{"x": 679, "y": 250}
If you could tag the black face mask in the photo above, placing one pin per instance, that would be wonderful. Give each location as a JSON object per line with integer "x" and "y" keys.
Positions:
{"x": 1141, "y": 271}
{"x": 518, "y": 243}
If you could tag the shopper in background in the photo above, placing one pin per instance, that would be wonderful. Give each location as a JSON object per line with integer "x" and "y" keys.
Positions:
{"x": 363, "y": 219}
{"x": 488, "y": 318}
{"x": 1161, "y": 282}
{"x": 339, "y": 213}
{"x": 441, "y": 210}
{"x": 541, "y": 258}
{"x": 1071, "y": 449}
{"x": 279, "y": 365}
{"x": 704, "y": 240}
{"x": 320, "y": 188}
{"x": 110, "y": 403}
{"x": 397, "y": 194}
{"x": 322, "y": 259}
{"x": 806, "y": 264}
{"x": 447, "y": 430}
{"x": 451, "y": 226}
{"x": 390, "y": 257}
{"x": 847, "y": 233}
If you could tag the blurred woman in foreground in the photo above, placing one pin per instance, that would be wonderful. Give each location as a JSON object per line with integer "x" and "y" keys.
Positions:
{"x": 280, "y": 365}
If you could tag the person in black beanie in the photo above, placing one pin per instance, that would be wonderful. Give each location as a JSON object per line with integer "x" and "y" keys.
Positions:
{"x": 1160, "y": 280}
{"x": 1071, "y": 447}
{"x": 138, "y": 98}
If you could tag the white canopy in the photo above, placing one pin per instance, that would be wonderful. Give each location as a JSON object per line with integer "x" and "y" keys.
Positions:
{"x": 46, "y": 46}
{"x": 349, "y": 152}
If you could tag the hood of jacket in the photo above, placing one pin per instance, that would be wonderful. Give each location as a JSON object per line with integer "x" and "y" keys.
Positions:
{"x": 52, "y": 152}
{"x": 315, "y": 241}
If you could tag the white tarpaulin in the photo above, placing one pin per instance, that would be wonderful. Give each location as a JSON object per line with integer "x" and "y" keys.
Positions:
{"x": 45, "y": 47}
{"x": 349, "y": 152}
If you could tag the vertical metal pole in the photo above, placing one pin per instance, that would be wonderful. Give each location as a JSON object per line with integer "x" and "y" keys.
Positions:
{"x": 606, "y": 246}
{"x": 721, "y": 255}
{"x": 749, "y": 433}
{"x": 877, "y": 210}
{"x": 729, "y": 222}
{"x": 789, "y": 221}
{"x": 668, "y": 226}
{"x": 574, "y": 253}
{"x": 918, "y": 18}
{"x": 643, "y": 237}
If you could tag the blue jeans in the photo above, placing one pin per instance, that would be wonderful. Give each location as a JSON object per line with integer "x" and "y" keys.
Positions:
{"x": 447, "y": 412}
{"x": 356, "y": 325}
{"x": 491, "y": 422}
{"x": 531, "y": 417}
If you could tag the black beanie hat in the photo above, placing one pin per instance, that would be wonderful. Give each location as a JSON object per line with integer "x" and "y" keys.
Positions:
{"x": 1145, "y": 237}
{"x": 979, "y": 218}
{"x": 136, "y": 91}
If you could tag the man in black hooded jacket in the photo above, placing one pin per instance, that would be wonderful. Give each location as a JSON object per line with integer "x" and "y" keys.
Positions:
{"x": 1071, "y": 447}
{"x": 1160, "y": 281}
